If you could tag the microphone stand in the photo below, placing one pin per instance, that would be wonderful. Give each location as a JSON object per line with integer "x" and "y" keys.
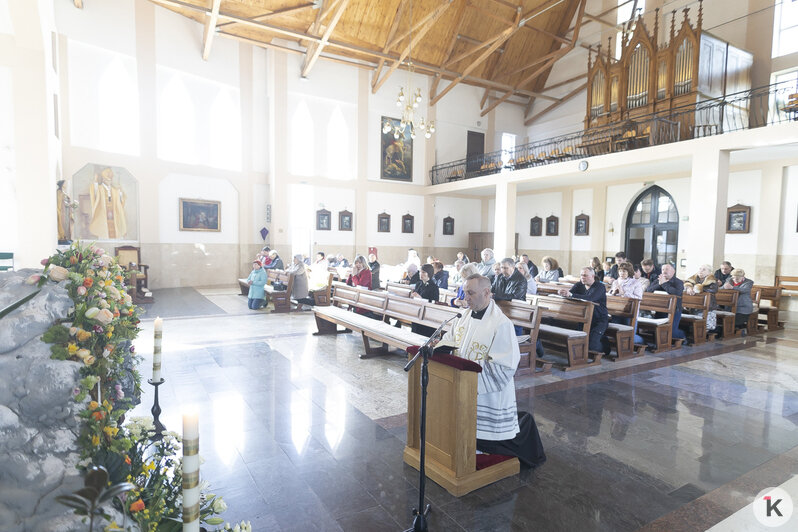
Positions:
{"x": 420, "y": 517}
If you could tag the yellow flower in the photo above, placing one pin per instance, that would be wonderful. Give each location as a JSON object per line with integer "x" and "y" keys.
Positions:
{"x": 110, "y": 431}
{"x": 149, "y": 466}
{"x": 72, "y": 348}
{"x": 108, "y": 334}
{"x": 108, "y": 282}
{"x": 95, "y": 440}
{"x": 83, "y": 335}
{"x": 94, "y": 405}
{"x": 106, "y": 404}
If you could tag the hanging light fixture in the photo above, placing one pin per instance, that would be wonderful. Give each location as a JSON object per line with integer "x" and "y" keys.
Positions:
{"x": 409, "y": 104}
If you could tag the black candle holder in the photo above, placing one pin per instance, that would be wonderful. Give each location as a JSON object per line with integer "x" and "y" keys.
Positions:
{"x": 157, "y": 433}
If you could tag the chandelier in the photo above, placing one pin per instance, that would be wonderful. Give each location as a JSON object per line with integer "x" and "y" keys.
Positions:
{"x": 411, "y": 116}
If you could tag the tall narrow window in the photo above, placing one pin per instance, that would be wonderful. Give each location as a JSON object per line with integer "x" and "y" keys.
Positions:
{"x": 338, "y": 147}
{"x": 303, "y": 156}
{"x": 8, "y": 195}
{"x": 225, "y": 130}
{"x": 508, "y": 147}
{"x": 785, "y": 28}
{"x": 176, "y": 123}
{"x": 118, "y": 110}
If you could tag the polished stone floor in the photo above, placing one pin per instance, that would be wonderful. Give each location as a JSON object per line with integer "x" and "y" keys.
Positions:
{"x": 298, "y": 433}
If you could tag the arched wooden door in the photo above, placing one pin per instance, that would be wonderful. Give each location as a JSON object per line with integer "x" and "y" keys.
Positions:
{"x": 652, "y": 227}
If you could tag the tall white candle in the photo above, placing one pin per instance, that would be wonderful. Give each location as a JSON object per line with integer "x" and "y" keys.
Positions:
{"x": 156, "y": 350}
{"x": 191, "y": 491}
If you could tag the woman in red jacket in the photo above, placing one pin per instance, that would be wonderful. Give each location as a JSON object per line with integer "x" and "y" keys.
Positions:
{"x": 360, "y": 276}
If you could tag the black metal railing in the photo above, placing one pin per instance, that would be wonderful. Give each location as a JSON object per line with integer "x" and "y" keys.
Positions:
{"x": 748, "y": 109}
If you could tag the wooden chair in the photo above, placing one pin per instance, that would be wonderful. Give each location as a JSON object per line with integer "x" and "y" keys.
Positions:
{"x": 6, "y": 261}
{"x": 129, "y": 259}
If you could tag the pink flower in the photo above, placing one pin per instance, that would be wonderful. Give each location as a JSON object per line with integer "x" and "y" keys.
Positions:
{"x": 119, "y": 393}
{"x": 33, "y": 279}
{"x": 105, "y": 316}
{"x": 44, "y": 262}
{"x": 82, "y": 290}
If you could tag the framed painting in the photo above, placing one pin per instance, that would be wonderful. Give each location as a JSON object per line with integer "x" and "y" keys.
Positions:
{"x": 535, "y": 226}
{"x": 738, "y": 218}
{"x": 552, "y": 226}
{"x": 582, "y": 225}
{"x": 384, "y": 223}
{"x": 200, "y": 215}
{"x": 408, "y": 223}
{"x": 323, "y": 220}
{"x": 344, "y": 221}
{"x": 396, "y": 151}
{"x": 448, "y": 225}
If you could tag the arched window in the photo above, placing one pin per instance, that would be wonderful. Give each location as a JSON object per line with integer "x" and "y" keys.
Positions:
{"x": 118, "y": 108}
{"x": 303, "y": 156}
{"x": 176, "y": 123}
{"x": 338, "y": 147}
{"x": 225, "y": 131}
{"x": 652, "y": 227}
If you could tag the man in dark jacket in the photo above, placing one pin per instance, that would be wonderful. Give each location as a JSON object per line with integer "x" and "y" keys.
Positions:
{"x": 723, "y": 274}
{"x": 533, "y": 270}
{"x": 588, "y": 289}
{"x": 668, "y": 282}
{"x": 511, "y": 284}
{"x": 650, "y": 270}
{"x": 620, "y": 258}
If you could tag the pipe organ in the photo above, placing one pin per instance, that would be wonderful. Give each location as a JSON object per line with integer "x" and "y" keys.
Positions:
{"x": 650, "y": 79}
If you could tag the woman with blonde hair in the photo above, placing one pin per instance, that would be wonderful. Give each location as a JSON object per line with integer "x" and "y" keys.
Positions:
{"x": 550, "y": 272}
{"x": 531, "y": 285}
{"x": 704, "y": 282}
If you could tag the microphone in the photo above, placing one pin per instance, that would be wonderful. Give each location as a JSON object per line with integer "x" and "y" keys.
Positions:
{"x": 430, "y": 340}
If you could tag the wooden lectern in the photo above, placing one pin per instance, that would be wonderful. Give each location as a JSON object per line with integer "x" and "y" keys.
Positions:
{"x": 451, "y": 458}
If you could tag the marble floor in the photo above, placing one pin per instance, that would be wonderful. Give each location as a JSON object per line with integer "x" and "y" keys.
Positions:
{"x": 298, "y": 433}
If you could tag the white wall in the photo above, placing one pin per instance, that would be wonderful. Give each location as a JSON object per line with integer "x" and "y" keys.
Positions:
{"x": 176, "y": 186}
{"x": 788, "y": 240}
{"x": 335, "y": 200}
{"x": 542, "y": 205}
{"x": 467, "y": 214}
{"x": 397, "y": 205}
{"x": 582, "y": 203}
{"x": 744, "y": 189}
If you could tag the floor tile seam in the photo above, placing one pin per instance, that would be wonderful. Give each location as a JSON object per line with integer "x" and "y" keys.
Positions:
{"x": 585, "y": 380}
{"x": 712, "y": 497}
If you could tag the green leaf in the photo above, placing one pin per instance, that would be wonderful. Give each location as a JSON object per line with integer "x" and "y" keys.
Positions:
{"x": 214, "y": 521}
{"x": 113, "y": 491}
{"x": 13, "y": 306}
{"x": 75, "y": 501}
{"x": 97, "y": 478}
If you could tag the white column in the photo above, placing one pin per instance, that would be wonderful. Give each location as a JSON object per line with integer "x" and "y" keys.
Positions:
{"x": 768, "y": 222}
{"x": 709, "y": 190}
{"x": 504, "y": 221}
{"x": 279, "y": 236}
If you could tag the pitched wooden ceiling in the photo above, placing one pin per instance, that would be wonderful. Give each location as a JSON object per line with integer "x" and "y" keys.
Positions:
{"x": 505, "y": 46}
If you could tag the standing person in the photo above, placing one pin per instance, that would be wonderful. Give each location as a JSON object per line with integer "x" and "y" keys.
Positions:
{"x": 531, "y": 285}
{"x": 745, "y": 306}
{"x": 668, "y": 282}
{"x": 374, "y": 266}
{"x": 107, "y": 201}
{"x": 588, "y": 289}
{"x": 510, "y": 283}
{"x": 483, "y": 334}
{"x": 533, "y": 270}
{"x": 723, "y": 273}
{"x": 441, "y": 276}
{"x": 299, "y": 289}
{"x": 486, "y": 266}
{"x": 256, "y": 281}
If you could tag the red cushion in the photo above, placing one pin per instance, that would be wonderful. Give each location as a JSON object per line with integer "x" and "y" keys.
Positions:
{"x": 456, "y": 362}
{"x": 487, "y": 460}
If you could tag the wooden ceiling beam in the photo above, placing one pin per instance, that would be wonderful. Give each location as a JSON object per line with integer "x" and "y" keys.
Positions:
{"x": 417, "y": 27}
{"x": 456, "y": 59}
{"x": 274, "y": 13}
{"x": 529, "y": 65}
{"x": 460, "y": 19}
{"x": 385, "y": 49}
{"x": 210, "y": 29}
{"x": 490, "y": 14}
{"x": 506, "y": 34}
{"x": 436, "y": 14}
{"x": 555, "y": 105}
{"x": 312, "y": 56}
{"x": 508, "y": 4}
{"x": 600, "y": 20}
{"x": 566, "y": 82}
{"x": 542, "y": 8}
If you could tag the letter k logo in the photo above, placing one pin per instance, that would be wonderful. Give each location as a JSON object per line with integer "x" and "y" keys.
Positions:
{"x": 772, "y": 506}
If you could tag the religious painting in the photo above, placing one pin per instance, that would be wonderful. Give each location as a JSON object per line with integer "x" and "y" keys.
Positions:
{"x": 323, "y": 220}
{"x": 535, "y": 226}
{"x": 383, "y": 223}
{"x": 344, "y": 221}
{"x": 738, "y": 219}
{"x": 408, "y": 223}
{"x": 448, "y": 225}
{"x": 582, "y": 225}
{"x": 200, "y": 215}
{"x": 552, "y": 226}
{"x": 396, "y": 152}
{"x": 107, "y": 203}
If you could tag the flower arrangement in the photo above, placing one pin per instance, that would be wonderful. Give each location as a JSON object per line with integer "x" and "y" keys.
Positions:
{"x": 99, "y": 333}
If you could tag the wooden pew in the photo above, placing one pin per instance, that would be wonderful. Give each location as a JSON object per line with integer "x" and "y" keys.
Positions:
{"x": 661, "y": 328}
{"x": 280, "y": 297}
{"x": 571, "y": 313}
{"x": 727, "y": 299}
{"x": 546, "y": 289}
{"x": 322, "y": 297}
{"x": 398, "y": 289}
{"x": 622, "y": 336}
{"x": 527, "y": 317}
{"x": 695, "y": 309}
{"x": 770, "y": 312}
{"x": 753, "y": 319}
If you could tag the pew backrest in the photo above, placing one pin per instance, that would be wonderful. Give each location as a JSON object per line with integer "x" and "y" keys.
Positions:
{"x": 623, "y": 307}
{"x": 569, "y": 310}
{"x": 697, "y": 303}
{"x": 663, "y": 303}
{"x": 399, "y": 289}
{"x": 727, "y": 297}
{"x": 771, "y": 294}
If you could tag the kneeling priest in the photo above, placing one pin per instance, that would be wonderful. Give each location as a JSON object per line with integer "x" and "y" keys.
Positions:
{"x": 486, "y": 336}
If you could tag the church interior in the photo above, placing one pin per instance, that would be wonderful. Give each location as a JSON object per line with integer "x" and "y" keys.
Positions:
{"x": 564, "y": 130}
